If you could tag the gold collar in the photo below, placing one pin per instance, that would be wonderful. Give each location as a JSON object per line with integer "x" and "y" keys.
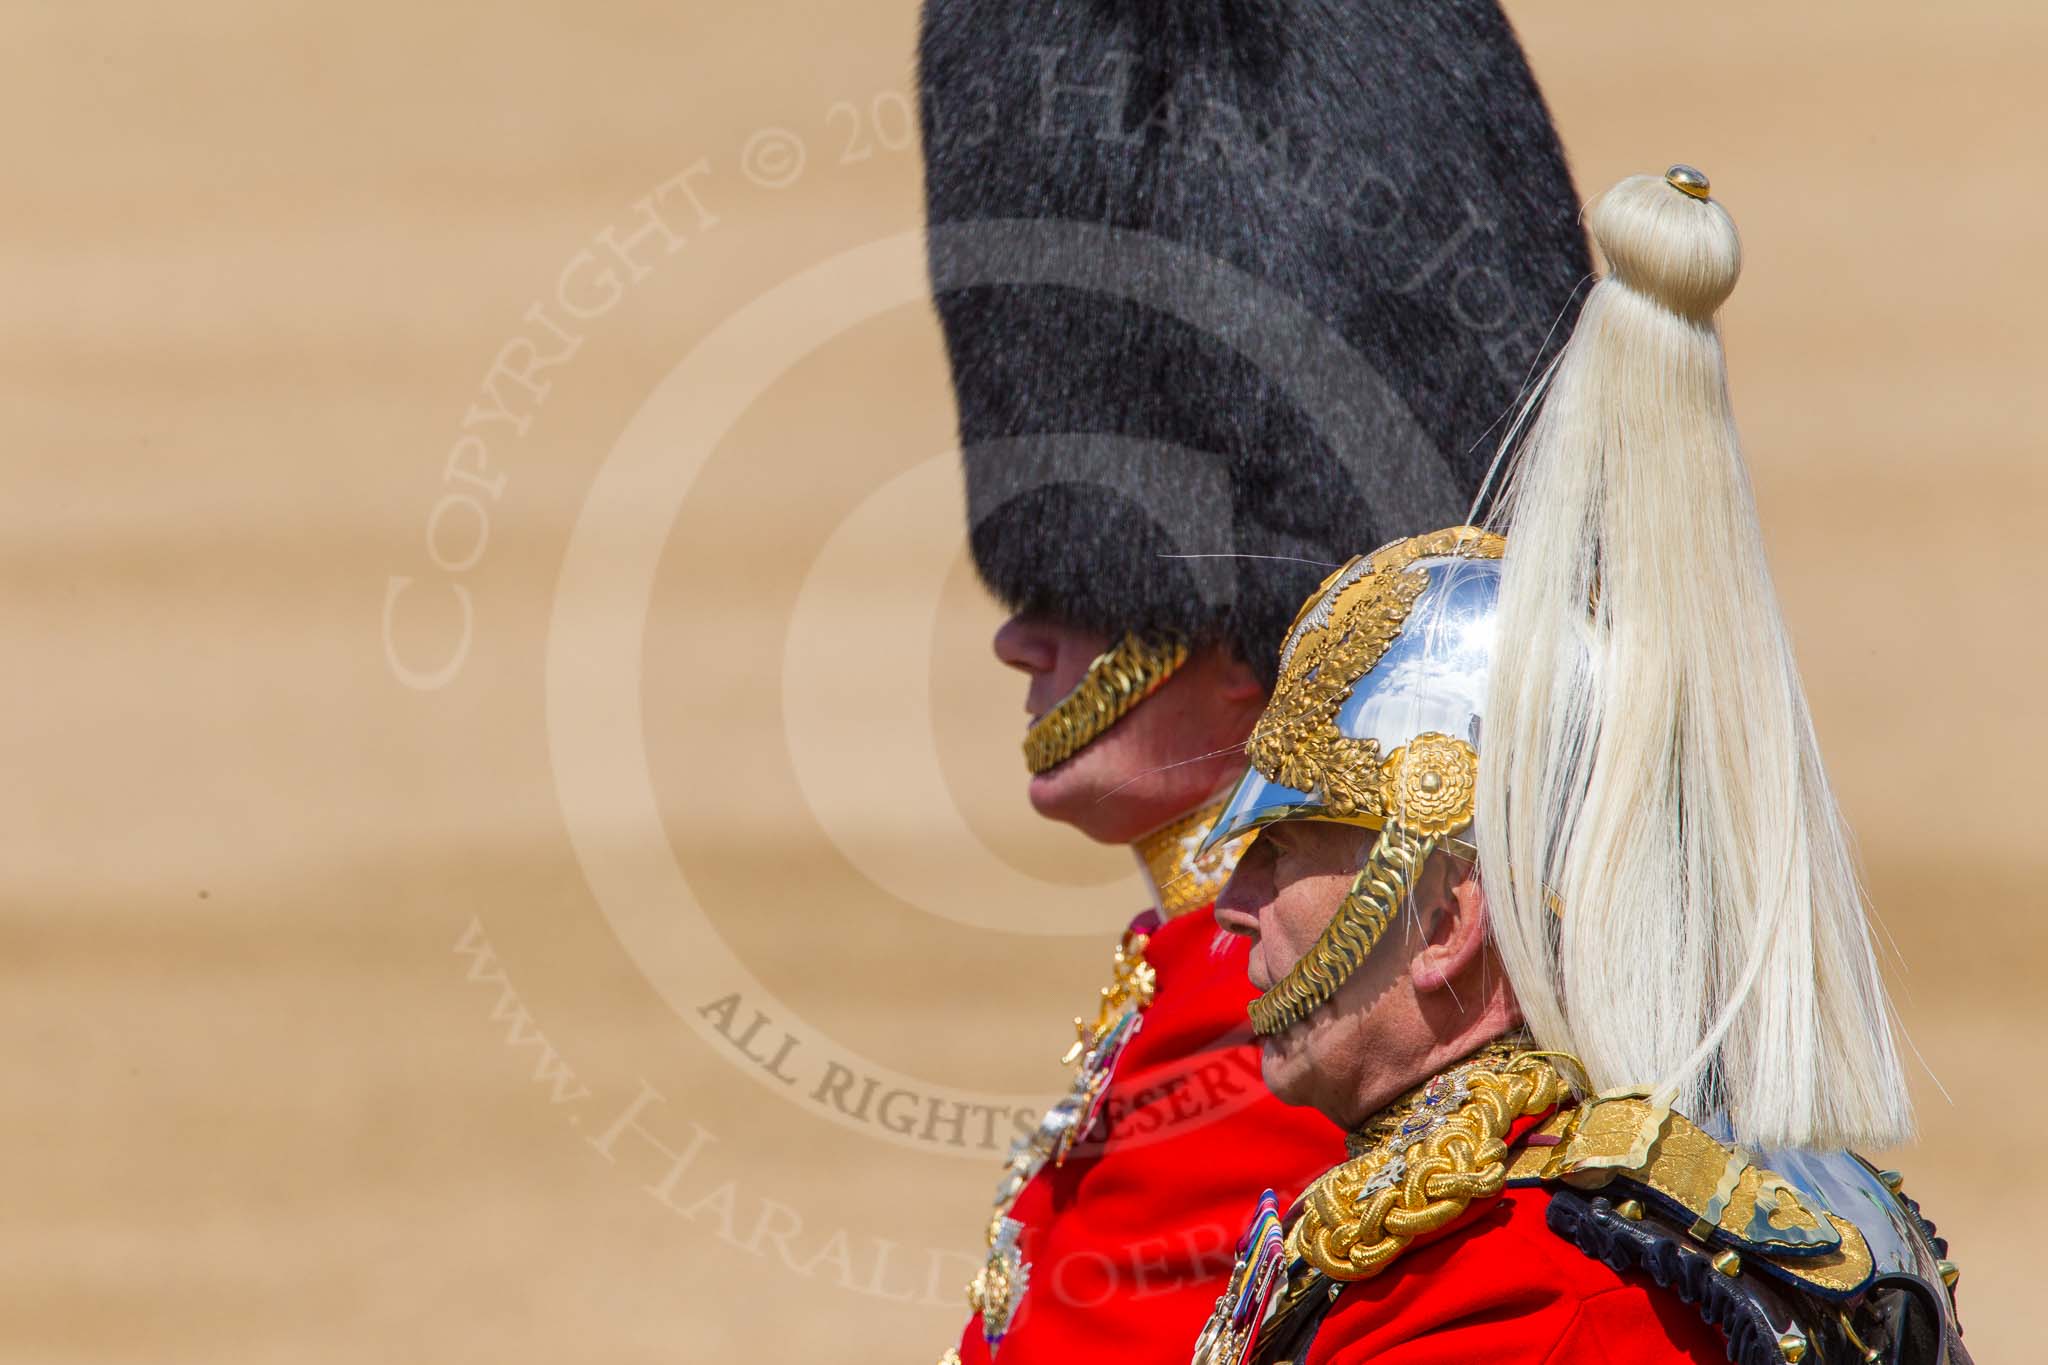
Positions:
{"x": 1179, "y": 880}
{"x": 1419, "y": 1163}
{"x": 1386, "y": 1126}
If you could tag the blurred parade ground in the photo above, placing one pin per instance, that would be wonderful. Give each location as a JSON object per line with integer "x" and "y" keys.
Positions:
{"x": 481, "y": 889}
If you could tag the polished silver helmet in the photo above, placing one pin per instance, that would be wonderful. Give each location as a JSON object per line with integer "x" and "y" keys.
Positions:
{"x": 1375, "y": 722}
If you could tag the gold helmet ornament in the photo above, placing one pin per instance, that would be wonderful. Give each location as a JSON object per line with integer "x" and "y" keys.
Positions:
{"x": 1668, "y": 879}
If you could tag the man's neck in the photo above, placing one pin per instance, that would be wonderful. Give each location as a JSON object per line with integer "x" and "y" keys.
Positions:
{"x": 1496, "y": 1018}
{"x": 1178, "y": 880}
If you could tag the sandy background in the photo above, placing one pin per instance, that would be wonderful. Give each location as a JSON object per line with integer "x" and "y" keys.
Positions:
{"x": 315, "y": 1010}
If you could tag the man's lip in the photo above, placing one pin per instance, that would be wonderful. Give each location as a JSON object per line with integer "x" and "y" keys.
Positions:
{"x": 1255, "y": 969}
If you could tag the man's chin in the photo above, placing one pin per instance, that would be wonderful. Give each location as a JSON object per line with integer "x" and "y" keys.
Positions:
{"x": 1052, "y": 794}
{"x": 1072, "y": 794}
{"x": 1284, "y": 1069}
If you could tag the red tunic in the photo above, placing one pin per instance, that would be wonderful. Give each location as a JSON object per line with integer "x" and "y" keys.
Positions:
{"x": 1499, "y": 1286}
{"x": 1131, "y": 1240}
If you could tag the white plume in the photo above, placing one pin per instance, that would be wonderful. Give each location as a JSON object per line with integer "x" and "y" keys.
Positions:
{"x": 1670, "y": 882}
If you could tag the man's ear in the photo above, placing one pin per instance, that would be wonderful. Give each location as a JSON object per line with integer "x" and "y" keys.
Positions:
{"x": 1454, "y": 917}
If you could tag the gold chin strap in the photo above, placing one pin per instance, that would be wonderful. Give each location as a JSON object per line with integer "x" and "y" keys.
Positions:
{"x": 1376, "y": 896}
{"x": 1182, "y": 881}
{"x": 1119, "y": 678}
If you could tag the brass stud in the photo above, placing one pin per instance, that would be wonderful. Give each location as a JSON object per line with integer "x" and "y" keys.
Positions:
{"x": 1728, "y": 1263}
{"x": 1949, "y": 1271}
{"x": 1631, "y": 1209}
{"x": 1869, "y": 1355}
{"x": 1792, "y": 1346}
{"x": 1688, "y": 180}
{"x": 1893, "y": 1180}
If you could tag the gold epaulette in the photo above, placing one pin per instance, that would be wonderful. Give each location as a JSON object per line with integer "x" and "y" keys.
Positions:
{"x": 1712, "y": 1190}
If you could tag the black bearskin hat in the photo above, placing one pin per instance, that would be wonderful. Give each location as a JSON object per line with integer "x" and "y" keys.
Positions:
{"x": 1231, "y": 278}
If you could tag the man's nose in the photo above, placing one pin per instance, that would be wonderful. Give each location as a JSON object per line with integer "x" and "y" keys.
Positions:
{"x": 1026, "y": 645}
{"x": 1246, "y": 893}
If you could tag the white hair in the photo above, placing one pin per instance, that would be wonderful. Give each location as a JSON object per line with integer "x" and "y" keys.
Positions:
{"x": 1670, "y": 882}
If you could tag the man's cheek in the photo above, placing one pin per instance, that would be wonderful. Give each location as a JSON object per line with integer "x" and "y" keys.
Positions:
{"x": 1281, "y": 950}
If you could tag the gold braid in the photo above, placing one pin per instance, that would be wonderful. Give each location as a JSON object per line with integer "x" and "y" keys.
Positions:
{"x": 1350, "y": 1233}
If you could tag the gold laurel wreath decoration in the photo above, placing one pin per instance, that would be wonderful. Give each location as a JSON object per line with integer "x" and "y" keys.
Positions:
{"x": 1296, "y": 742}
{"x": 1350, "y": 1234}
{"x": 1336, "y": 639}
{"x": 1117, "y": 680}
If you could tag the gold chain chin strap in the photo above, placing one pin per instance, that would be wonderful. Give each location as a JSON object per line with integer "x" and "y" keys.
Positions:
{"x": 1120, "y": 677}
{"x": 1359, "y": 1216}
{"x": 1376, "y": 896}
